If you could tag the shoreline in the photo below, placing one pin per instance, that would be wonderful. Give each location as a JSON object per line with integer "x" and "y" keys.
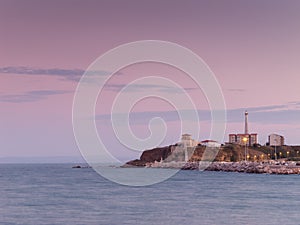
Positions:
{"x": 268, "y": 167}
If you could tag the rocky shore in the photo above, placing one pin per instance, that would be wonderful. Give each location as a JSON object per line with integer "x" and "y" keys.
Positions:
{"x": 255, "y": 167}
{"x": 270, "y": 167}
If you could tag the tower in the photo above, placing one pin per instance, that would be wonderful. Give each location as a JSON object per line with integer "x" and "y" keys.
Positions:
{"x": 246, "y": 122}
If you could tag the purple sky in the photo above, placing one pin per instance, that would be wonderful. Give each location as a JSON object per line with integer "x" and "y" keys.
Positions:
{"x": 252, "y": 47}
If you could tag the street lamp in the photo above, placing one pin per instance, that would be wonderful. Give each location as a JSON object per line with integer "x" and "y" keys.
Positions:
{"x": 287, "y": 154}
{"x": 275, "y": 149}
{"x": 245, "y": 140}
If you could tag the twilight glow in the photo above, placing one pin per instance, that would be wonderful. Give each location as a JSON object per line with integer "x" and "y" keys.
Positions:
{"x": 251, "y": 46}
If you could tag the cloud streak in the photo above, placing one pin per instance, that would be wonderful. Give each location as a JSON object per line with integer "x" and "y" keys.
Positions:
{"x": 142, "y": 87}
{"x": 236, "y": 90}
{"x": 76, "y": 74}
{"x": 30, "y": 96}
{"x": 66, "y": 74}
{"x": 277, "y": 114}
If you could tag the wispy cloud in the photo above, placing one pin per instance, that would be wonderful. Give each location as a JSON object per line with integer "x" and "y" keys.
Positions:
{"x": 66, "y": 74}
{"x": 236, "y": 90}
{"x": 260, "y": 109}
{"x": 142, "y": 87}
{"x": 273, "y": 114}
{"x": 30, "y": 96}
{"x": 76, "y": 74}
{"x": 145, "y": 117}
{"x": 276, "y": 114}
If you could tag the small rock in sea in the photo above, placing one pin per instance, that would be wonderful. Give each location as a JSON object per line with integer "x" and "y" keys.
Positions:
{"x": 77, "y": 166}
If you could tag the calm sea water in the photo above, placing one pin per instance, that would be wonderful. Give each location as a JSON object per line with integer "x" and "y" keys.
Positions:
{"x": 58, "y": 194}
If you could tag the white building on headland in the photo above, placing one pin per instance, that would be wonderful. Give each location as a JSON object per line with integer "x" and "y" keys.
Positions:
{"x": 187, "y": 141}
{"x": 210, "y": 143}
{"x": 276, "y": 140}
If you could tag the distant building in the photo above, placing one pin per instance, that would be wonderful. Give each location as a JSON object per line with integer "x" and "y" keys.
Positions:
{"x": 276, "y": 140}
{"x": 210, "y": 143}
{"x": 187, "y": 141}
{"x": 245, "y": 138}
{"x": 232, "y": 138}
{"x": 242, "y": 139}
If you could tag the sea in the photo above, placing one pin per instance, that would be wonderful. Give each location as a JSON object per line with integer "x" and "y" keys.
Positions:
{"x": 58, "y": 194}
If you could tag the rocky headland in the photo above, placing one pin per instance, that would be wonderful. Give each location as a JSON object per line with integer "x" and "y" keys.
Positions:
{"x": 230, "y": 158}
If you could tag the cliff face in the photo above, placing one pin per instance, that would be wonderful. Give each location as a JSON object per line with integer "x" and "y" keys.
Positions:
{"x": 152, "y": 155}
{"x": 156, "y": 154}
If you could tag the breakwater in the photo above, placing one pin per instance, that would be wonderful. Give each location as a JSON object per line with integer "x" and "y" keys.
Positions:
{"x": 270, "y": 167}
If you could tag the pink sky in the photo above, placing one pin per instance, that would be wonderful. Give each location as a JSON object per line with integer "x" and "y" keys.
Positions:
{"x": 252, "y": 47}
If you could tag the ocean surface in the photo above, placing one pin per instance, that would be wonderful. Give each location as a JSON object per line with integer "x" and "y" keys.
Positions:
{"x": 58, "y": 194}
